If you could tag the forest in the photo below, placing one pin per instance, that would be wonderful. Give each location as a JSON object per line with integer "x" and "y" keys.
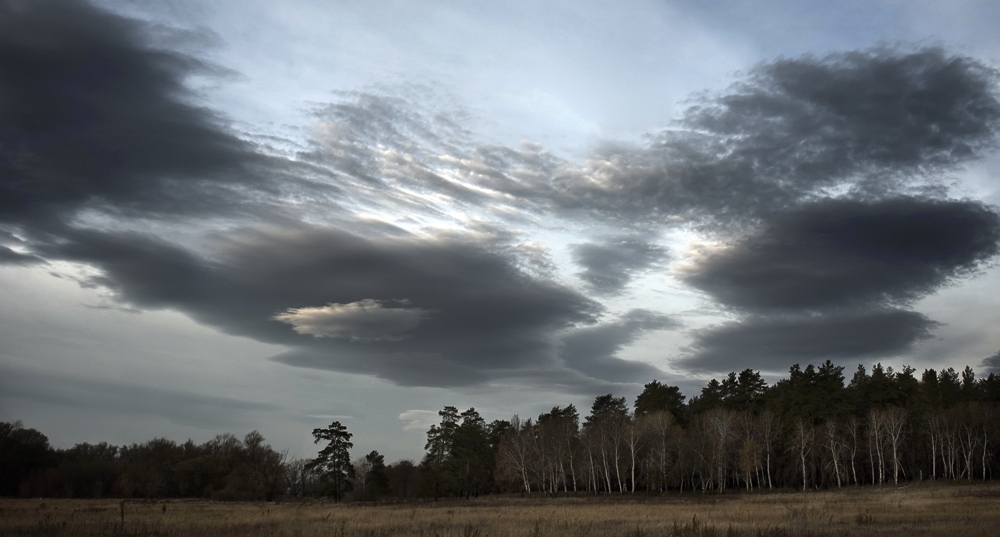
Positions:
{"x": 814, "y": 429}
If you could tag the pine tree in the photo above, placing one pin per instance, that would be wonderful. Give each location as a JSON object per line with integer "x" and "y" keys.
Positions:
{"x": 334, "y": 461}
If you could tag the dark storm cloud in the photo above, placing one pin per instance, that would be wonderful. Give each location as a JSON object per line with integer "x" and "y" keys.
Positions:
{"x": 92, "y": 116}
{"x": 609, "y": 266}
{"x": 187, "y": 408}
{"x": 592, "y": 350}
{"x": 992, "y": 364}
{"x": 847, "y": 253}
{"x": 477, "y": 314}
{"x": 774, "y": 343}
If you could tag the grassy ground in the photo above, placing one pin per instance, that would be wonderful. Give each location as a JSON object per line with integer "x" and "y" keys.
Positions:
{"x": 969, "y": 510}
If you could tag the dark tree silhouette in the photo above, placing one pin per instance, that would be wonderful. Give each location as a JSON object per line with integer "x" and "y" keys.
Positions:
{"x": 334, "y": 460}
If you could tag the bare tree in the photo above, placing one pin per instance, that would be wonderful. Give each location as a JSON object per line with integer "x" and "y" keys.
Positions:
{"x": 768, "y": 430}
{"x": 634, "y": 436}
{"x": 659, "y": 425}
{"x": 264, "y": 467}
{"x": 854, "y": 429}
{"x": 514, "y": 452}
{"x": 876, "y": 433}
{"x": 721, "y": 428}
{"x": 803, "y": 442}
{"x": 932, "y": 425}
{"x": 834, "y": 445}
{"x": 895, "y": 424}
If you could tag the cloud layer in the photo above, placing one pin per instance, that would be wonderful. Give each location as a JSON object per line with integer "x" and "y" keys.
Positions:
{"x": 92, "y": 115}
{"x": 842, "y": 253}
{"x": 204, "y": 411}
{"x": 992, "y": 363}
{"x": 608, "y": 266}
{"x": 477, "y": 311}
{"x": 774, "y": 343}
{"x": 397, "y": 243}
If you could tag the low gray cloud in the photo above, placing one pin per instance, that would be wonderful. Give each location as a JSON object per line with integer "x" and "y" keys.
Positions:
{"x": 592, "y": 350}
{"x": 488, "y": 316}
{"x": 209, "y": 412}
{"x": 992, "y": 363}
{"x": 773, "y": 343}
{"x": 841, "y": 253}
{"x": 610, "y": 265}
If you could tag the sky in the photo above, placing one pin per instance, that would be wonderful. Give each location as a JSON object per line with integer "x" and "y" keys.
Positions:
{"x": 226, "y": 216}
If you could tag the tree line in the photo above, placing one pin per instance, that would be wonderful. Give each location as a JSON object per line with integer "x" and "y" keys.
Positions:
{"x": 809, "y": 430}
{"x": 813, "y": 429}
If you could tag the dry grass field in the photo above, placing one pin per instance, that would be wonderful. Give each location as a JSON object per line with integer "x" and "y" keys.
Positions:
{"x": 970, "y": 510}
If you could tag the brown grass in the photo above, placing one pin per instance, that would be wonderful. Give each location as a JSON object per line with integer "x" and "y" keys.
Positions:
{"x": 971, "y": 510}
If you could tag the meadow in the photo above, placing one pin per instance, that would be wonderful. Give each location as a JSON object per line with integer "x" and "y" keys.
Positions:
{"x": 968, "y": 510}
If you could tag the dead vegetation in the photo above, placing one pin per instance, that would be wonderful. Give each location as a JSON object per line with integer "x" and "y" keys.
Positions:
{"x": 969, "y": 510}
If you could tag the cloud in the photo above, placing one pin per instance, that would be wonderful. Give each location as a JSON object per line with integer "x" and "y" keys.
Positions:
{"x": 489, "y": 317}
{"x": 840, "y": 253}
{"x": 992, "y": 364}
{"x": 365, "y": 320}
{"x": 99, "y": 122}
{"x": 101, "y": 135}
{"x": 92, "y": 115}
{"x": 11, "y": 257}
{"x": 183, "y": 407}
{"x": 876, "y": 122}
{"x": 825, "y": 280}
{"x": 773, "y": 343}
{"x": 419, "y": 420}
{"x": 609, "y": 266}
{"x": 592, "y": 350}
{"x": 871, "y": 119}
{"x": 879, "y": 110}
{"x": 398, "y": 154}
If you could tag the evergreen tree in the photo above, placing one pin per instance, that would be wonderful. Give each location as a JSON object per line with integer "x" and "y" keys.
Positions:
{"x": 22, "y": 451}
{"x": 659, "y": 397}
{"x": 438, "y": 447}
{"x": 334, "y": 460}
{"x": 376, "y": 478}
{"x": 471, "y": 457}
